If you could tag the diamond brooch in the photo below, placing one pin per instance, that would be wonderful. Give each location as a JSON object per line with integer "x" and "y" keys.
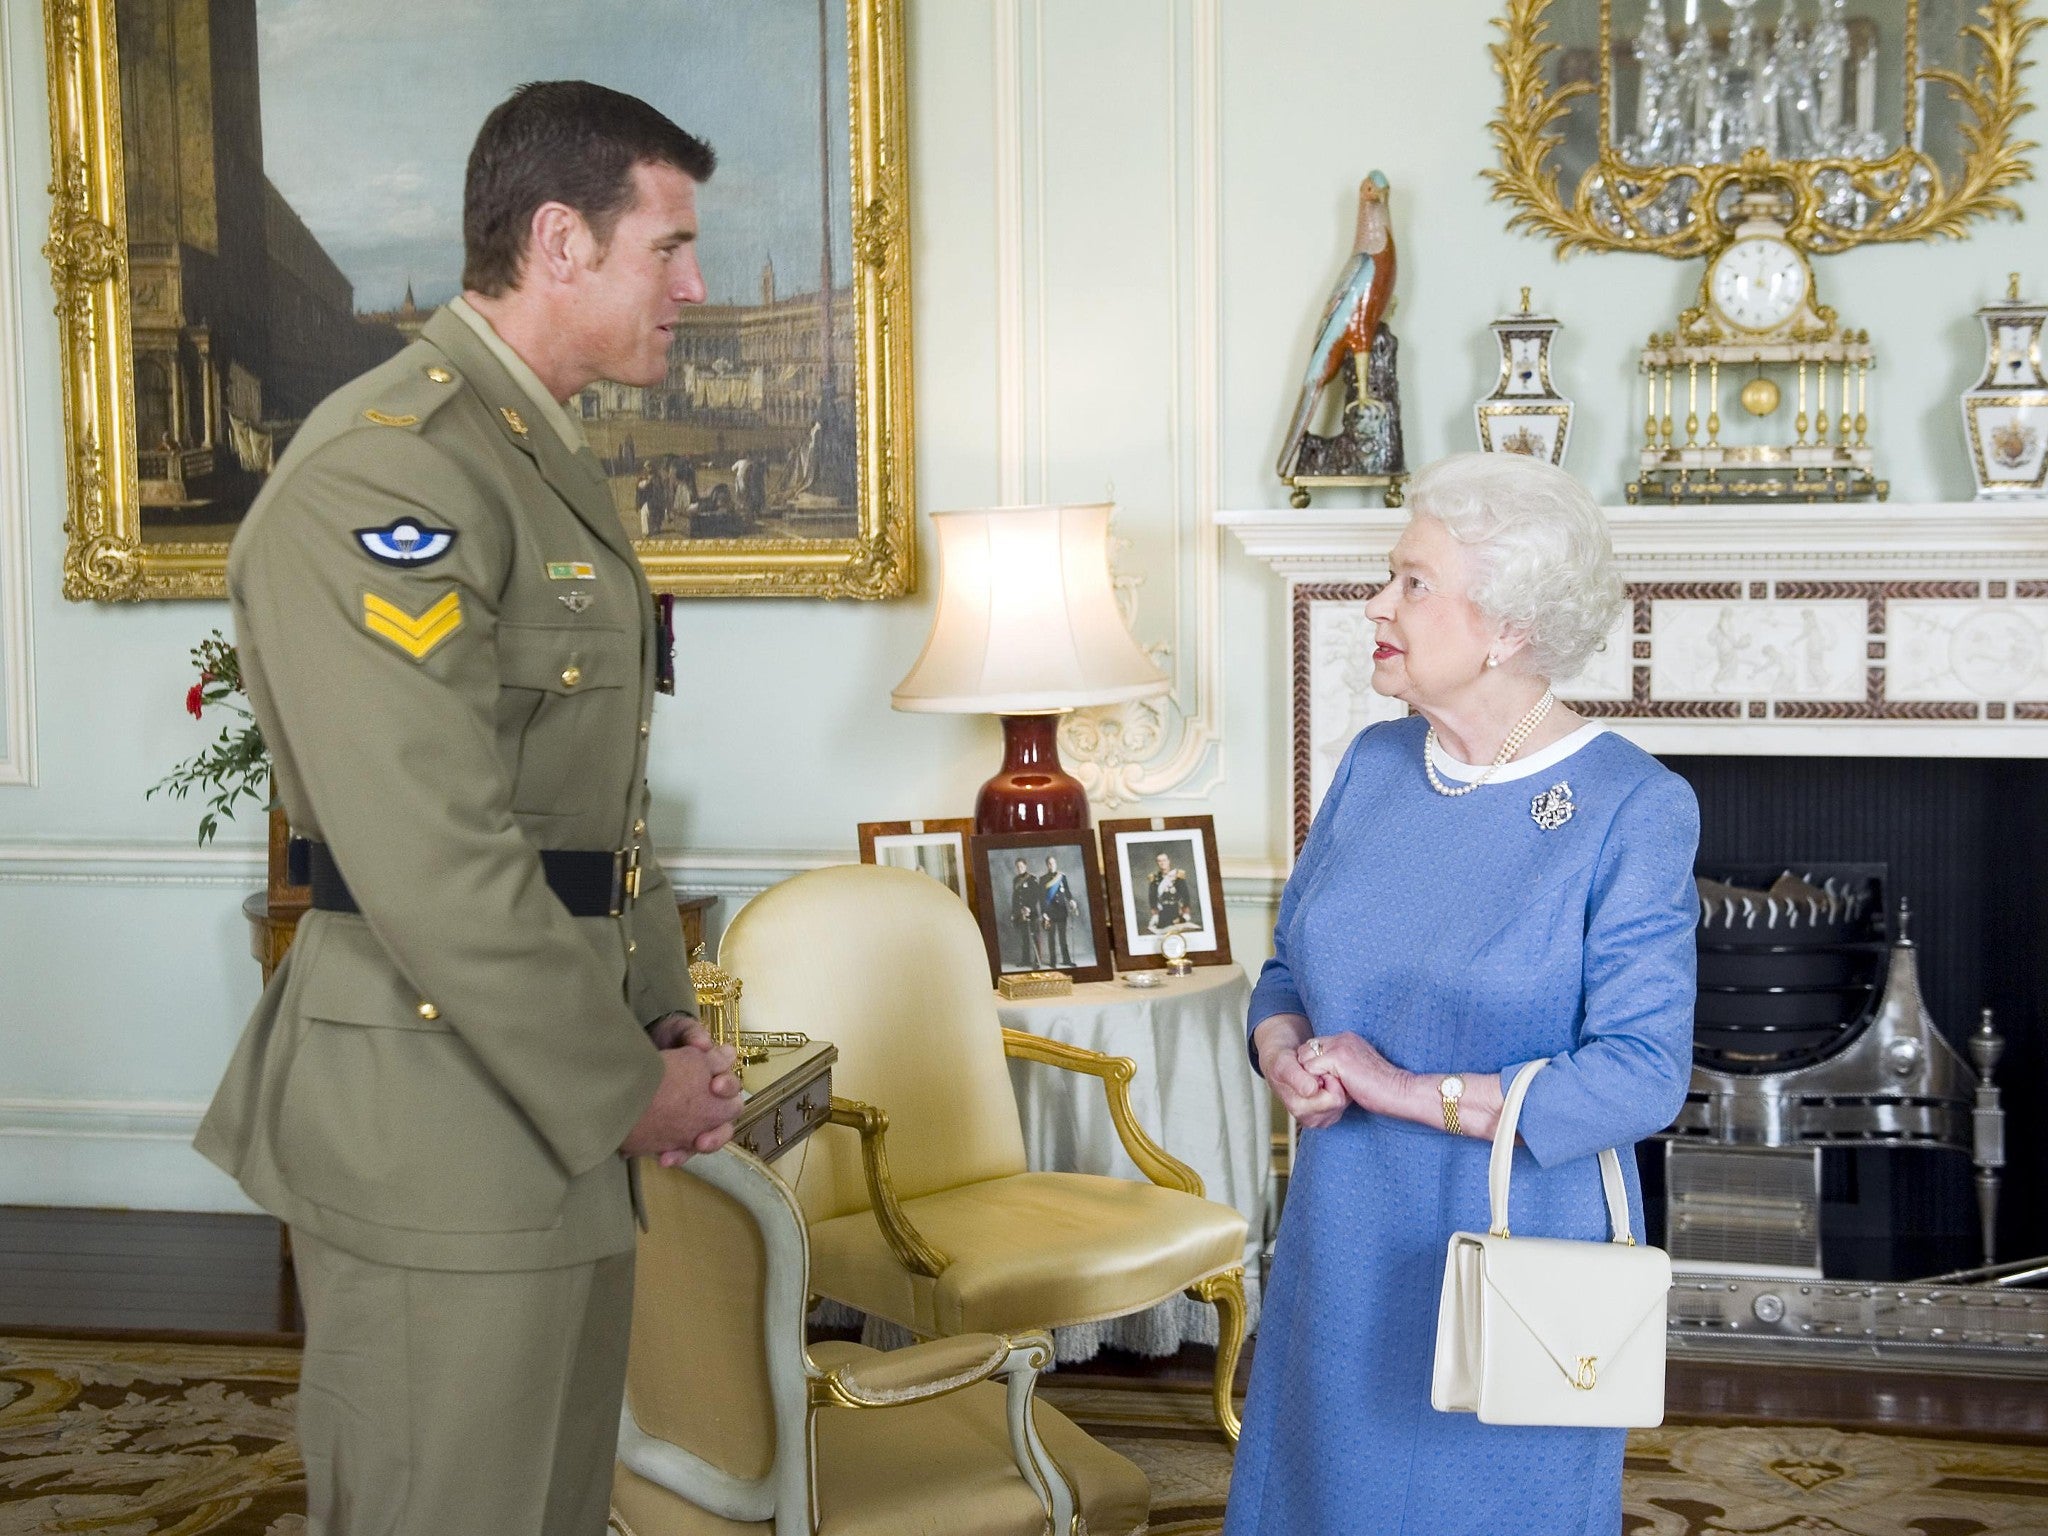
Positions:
{"x": 1554, "y": 807}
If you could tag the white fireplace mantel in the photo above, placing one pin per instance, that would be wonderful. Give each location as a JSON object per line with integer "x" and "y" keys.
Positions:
{"x": 1336, "y": 542}
{"x": 1867, "y": 629}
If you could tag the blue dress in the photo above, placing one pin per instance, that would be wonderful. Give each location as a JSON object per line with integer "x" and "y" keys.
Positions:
{"x": 1457, "y": 935}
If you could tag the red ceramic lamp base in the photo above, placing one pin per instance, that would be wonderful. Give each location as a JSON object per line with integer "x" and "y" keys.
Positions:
{"x": 1031, "y": 792}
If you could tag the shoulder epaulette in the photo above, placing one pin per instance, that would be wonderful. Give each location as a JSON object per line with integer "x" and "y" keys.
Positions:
{"x": 412, "y": 397}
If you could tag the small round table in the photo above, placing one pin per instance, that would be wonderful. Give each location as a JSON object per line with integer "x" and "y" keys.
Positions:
{"x": 1195, "y": 1093}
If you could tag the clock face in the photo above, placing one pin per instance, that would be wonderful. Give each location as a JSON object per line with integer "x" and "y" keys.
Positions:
{"x": 1758, "y": 284}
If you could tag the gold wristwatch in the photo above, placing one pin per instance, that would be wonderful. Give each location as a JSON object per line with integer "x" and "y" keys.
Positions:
{"x": 1450, "y": 1090}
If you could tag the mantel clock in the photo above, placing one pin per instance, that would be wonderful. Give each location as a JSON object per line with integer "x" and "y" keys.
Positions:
{"x": 1798, "y": 376}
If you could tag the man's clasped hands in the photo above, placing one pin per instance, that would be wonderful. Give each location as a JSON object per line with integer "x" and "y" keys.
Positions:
{"x": 699, "y": 1096}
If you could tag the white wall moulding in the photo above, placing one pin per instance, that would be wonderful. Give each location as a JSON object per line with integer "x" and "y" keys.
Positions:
{"x": 1869, "y": 630}
{"x": 1070, "y": 221}
{"x": 88, "y": 1132}
{"x": 17, "y": 657}
{"x": 102, "y": 1119}
{"x": 131, "y": 1154}
{"x": 239, "y": 866}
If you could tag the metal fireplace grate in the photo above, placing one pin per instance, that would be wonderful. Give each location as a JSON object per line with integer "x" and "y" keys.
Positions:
{"x": 1746, "y": 1210}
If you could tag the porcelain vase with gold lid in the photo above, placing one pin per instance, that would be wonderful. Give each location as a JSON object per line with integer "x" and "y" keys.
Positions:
{"x": 1525, "y": 413}
{"x": 2005, "y": 413}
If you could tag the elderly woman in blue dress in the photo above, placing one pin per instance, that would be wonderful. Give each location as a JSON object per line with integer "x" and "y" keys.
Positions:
{"x": 1487, "y": 882}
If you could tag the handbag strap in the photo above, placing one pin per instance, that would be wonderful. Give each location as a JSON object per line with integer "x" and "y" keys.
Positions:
{"x": 1503, "y": 1158}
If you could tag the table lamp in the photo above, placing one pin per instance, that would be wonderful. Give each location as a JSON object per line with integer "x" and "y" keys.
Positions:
{"x": 1027, "y": 628}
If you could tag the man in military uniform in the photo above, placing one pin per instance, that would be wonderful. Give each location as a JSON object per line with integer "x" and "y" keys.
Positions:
{"x": 1027, "y": 917}
{"x": 1058, "y": 896}
{"x": 1169, "y": 896}
{"x": 448, "y": 642}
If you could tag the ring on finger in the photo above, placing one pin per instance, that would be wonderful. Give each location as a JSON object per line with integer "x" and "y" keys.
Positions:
{"x": 1315, "y": 1046}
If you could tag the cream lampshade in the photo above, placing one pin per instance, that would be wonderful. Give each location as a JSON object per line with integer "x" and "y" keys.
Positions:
{"x": 1027, "y": 628}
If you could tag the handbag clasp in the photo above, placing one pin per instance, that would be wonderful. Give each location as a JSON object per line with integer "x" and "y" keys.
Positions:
{"x": 1588, "y": 1375}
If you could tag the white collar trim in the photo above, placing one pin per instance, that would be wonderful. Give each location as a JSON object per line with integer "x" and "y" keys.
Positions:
{"x": 1521, "y": 767}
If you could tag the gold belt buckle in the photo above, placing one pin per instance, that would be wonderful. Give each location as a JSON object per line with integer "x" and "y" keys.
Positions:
{"x": 625, "y": 879}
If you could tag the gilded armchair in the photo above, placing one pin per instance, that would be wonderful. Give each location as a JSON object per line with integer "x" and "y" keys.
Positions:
{"x": 932, "y": 1219}
{"x": 731, "y": 1425}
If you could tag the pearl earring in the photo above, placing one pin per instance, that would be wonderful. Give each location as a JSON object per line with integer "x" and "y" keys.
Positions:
{"x": 1493, "y": 661}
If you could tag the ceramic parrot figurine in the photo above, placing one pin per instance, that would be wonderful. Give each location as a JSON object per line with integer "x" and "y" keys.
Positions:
{"x": 1352, "y": 317}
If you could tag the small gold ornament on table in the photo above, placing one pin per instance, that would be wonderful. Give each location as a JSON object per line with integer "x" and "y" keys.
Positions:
{"x": 1022, "y": 984}
{"x": 1758, "y": 319}
{"x": 718, "y": 1005}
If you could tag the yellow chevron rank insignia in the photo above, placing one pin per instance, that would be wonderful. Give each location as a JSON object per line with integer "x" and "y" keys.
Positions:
{"x": 414, "y": 636}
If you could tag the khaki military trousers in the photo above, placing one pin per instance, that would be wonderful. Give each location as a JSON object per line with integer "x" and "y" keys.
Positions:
{"x": 457, "y": 1403}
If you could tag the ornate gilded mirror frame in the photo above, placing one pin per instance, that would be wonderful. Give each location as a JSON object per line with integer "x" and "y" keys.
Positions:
{"x": 1619, "y": 206}
{"x": 107, "y": 557}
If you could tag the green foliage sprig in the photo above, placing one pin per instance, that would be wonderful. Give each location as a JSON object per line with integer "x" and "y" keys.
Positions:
{"x": 236, "y": 767}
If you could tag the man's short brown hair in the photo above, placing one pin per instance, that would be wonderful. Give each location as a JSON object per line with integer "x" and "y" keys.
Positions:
{"x": 560, "y": 141}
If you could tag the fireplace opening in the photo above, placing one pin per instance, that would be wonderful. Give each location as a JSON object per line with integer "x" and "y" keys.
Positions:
{"x": 1964, "y": 843}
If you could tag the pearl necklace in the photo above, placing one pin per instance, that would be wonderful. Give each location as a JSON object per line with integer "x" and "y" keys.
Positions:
{"x": 1508, "y": 749}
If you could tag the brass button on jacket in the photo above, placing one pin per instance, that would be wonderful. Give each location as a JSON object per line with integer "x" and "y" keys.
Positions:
{"x": 571, "y": 676}
{"x": 429, "y": 1011}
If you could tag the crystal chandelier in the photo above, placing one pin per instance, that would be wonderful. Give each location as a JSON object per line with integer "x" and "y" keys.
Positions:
{"x": 1800, "y": 92}
{"x": 1796, "y": 90}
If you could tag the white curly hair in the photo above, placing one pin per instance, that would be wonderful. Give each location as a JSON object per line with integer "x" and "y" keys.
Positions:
{"x": 1543, "y": 558}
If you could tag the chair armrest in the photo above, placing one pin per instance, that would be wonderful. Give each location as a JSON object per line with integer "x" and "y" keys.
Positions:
{"x": 914, "y": 1373}
{"x": 1031, "y": 1353}
{"x": 939, "y": 1366}
{"x": 909, "y": 1246}
{"x": 1116, "y": 1072}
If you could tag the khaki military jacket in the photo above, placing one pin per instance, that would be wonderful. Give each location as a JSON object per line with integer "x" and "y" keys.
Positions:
{"x": 449, "y": 646}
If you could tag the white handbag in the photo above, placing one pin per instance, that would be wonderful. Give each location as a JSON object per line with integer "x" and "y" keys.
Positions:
{"x": 1545, "y": 1330}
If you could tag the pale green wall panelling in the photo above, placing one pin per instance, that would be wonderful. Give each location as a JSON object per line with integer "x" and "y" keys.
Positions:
{"x": 1071, "y": 159}
{"x": 1316, "y": 94}
{"x": 17, "y": 720}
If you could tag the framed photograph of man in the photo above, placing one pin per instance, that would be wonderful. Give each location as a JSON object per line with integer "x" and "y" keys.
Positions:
{"x": 258, "y": 200}
{"x": 1164, "y": 877}
{"x": 935, "y": 848}
{"x": 1039, "y": 898}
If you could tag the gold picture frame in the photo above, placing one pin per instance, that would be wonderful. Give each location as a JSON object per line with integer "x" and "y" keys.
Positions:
{"x": 865, "y": 551}
{"x": 1609, "y": 208}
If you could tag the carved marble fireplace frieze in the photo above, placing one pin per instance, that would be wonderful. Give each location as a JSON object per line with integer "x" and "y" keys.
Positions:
{"x": 1896, "y": 631}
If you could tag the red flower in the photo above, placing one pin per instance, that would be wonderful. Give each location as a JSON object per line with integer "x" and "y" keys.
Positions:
{"x": 194, "y": 697}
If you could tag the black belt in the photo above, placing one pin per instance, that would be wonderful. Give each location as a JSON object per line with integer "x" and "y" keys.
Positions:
{"x": 590, "y": 882}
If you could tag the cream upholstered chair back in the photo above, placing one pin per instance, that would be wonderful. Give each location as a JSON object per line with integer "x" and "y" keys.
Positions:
{"x": 889, "y": 966}
{"x": 716, "y": 1369}
{"x": 731, "y": 1427}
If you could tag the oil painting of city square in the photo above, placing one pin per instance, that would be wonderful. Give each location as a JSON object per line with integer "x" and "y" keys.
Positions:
{"x": 294, "y": 200}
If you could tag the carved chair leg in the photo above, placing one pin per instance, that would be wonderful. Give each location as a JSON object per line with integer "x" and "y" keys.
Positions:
{"x": 1225, "y": 1292}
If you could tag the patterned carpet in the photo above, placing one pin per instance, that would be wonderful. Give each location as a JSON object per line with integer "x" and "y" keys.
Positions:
{"x": 195, "y": 1440}
{"x": 1679, "y": 1481}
